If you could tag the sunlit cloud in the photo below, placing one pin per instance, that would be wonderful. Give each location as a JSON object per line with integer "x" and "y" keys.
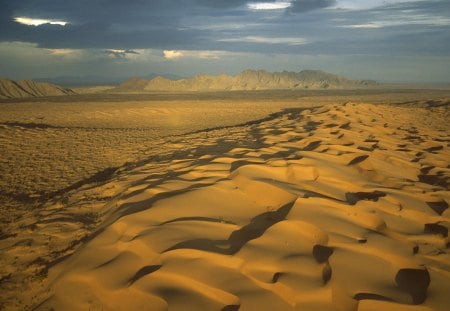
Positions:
{"x": 170, "y": 54}
{"x": 401, "y": 20}
{"x": 37, "y": 22}
{"x": 267, "y": 40}
{"x": 368, "y": 26}
{"x": 206, "y": 54}
{"x": 198, "y": 54}
{"x": 225, "y": 26}
{"x": 64, "y": 52}
{"x": 365, "y": 4}
{"x": 278, "y": 5}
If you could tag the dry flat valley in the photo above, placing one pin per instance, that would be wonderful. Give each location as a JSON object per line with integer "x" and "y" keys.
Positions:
{"x": 256, "y": 200}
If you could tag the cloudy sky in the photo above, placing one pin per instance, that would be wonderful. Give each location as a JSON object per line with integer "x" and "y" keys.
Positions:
{"x": 386, "y": 40}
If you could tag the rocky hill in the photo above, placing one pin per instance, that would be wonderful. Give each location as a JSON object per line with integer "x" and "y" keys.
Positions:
{"x": 28, "y": 88}
{"x": 246, "y": 80}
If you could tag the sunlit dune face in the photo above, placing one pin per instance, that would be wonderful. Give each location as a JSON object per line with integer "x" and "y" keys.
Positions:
{"x": 37, "y": 22}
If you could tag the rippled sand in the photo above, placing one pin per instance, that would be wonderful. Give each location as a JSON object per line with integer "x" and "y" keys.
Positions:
{"x": 337, "y": 207}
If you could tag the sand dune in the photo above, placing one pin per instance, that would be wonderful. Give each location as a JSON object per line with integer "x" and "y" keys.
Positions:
{"x": 341, "y": 207}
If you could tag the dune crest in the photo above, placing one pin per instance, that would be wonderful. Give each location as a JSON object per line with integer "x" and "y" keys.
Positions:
{"x": 341, "y": 207}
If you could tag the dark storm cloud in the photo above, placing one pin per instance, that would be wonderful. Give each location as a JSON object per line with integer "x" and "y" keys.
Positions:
{"x": 6, "y": 12}
{"x": 309, "y": 5}
{"x": 136, "y": 24}
{"x": 120, "y": 53}
{"x": 222, "y": 4}
{"x": 306, "y": 27}
{"x": 194, "y": 24}
{"x": 435, "y": 6}
{"x": 109, "y": 23}
{"x": 118, "y": 11}
{"x": 102, "y": 36}
{"x": 81, "y": 11}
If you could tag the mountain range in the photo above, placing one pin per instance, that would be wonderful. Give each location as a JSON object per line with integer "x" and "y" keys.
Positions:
{"x": 246, "y": 80}
{"x": 29, "y": 88}
{"x": 72, "y": 81}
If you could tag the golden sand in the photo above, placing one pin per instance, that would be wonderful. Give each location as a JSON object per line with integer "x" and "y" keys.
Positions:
{"x": 341, "y": 207}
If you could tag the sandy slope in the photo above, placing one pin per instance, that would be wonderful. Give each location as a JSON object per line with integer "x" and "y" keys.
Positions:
{"x": 48, "y": 148}
{"x": 29, "y": 88}
{"x": 331, "y": 208}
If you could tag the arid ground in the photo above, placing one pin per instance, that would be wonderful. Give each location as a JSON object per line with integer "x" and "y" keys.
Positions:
{"x": 293, "y": 200}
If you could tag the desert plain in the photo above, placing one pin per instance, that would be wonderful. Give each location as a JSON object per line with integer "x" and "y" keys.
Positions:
{"x": 262, "y": 200}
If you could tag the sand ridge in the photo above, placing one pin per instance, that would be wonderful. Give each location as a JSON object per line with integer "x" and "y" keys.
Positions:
{"x": 341, "y": 207}
{"x": 50, "y": 148}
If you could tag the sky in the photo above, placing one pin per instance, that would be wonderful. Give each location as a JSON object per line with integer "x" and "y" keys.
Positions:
{"x": 383, "y": 40}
